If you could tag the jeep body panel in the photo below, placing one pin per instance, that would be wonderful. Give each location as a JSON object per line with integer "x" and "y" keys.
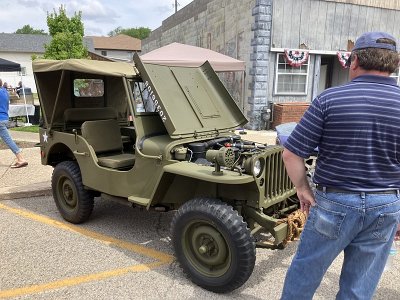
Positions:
{"x": 137, "y": 183}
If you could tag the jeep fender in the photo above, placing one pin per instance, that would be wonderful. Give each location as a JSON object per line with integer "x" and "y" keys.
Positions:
{"x": 205, "y": 173}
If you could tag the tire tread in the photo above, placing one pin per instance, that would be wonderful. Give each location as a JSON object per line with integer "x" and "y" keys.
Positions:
{"x": 238, "y": 231}
{"x": 85, "y": 198}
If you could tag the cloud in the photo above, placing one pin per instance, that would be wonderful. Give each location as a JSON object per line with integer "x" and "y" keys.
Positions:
{"x": 99, "y": 16}
{"x": 94, "y": 30}
{"x": 41, "y": 5}
{"x": 94, "y": 10}
{"x": 29, "y": 3}
{"x": 95, "y": 15}
{"x": 162, "y": 9}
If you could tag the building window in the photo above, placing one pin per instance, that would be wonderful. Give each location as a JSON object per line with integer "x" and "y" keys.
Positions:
{"x": 290, "y": 80}
{"x": 104, "y": 52}
{"x": 22, "y": 72}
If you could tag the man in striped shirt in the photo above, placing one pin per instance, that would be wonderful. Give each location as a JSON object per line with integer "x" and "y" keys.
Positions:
{"x": 356, "y": 206}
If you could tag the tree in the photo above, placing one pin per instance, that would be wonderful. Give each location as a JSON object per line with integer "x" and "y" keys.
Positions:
{"x": 27, "y": 29}
{"x": 136, "y": 32}
{"x": 67, "y": 33}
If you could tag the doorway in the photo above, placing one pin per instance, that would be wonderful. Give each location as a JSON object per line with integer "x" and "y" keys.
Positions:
{"x": 326, "y": 70}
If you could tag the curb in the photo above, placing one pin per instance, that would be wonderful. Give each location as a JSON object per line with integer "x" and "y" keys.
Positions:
{"x": 26, "y": 191}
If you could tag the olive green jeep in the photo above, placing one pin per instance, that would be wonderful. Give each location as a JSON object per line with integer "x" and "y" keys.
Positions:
{"x": 163, "y": 138}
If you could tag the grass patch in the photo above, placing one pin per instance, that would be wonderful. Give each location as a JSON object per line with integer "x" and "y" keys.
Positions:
{"x": 33, "y": 128}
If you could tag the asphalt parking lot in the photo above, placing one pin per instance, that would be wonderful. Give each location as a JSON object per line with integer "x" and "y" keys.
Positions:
{"x": 123, "y": 253}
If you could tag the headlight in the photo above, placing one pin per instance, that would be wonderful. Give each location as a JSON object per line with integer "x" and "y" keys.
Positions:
{"x": 257, "y": 168}
{"x": 254, "y": 166}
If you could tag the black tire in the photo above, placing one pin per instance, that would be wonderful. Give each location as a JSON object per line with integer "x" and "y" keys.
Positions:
{"x": 213, "y": 244}
{"x": 73, "y": 201}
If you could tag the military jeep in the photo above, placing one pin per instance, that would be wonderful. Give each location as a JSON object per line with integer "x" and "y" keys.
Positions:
{"x": 163, "y": 137}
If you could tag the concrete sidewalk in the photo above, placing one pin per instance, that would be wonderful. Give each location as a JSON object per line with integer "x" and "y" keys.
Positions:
{"x": 263, "y": 136}
{"x": 35, "y": 179}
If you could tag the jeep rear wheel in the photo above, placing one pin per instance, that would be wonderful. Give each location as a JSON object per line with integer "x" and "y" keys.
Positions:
{"x": 73, "y": 201}
{"x": 213, "y": 244}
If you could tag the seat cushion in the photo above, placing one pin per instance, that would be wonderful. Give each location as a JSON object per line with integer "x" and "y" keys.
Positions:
{"x": 117, "y": 161}
{"x": 103, "y": 135}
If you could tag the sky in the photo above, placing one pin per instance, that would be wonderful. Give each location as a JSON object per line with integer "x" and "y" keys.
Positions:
{"x": 98, "y": 16}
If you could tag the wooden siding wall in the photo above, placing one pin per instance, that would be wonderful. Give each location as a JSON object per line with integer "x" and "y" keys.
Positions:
{"x": 326, "y": 25}
{"x": 390, "y": 4}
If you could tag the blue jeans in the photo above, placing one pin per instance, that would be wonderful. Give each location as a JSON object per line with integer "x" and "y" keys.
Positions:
{"x": 361, "y": 225}
{"x": 5, "y": 136}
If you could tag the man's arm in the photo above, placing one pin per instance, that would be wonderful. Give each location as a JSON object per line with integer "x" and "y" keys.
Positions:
{"x": 297, "y": 172}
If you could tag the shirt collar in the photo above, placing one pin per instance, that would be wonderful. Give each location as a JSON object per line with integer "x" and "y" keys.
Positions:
{"x": 375, "y": 79}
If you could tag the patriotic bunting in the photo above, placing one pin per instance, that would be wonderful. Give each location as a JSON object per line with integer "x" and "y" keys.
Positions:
{"x": 343, "y": 56}
{"x": 296, "y": 58}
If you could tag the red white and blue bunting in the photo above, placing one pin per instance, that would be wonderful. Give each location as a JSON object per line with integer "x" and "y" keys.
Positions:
{"x": 296, "y": 58}
{"x": 343, "y": 57}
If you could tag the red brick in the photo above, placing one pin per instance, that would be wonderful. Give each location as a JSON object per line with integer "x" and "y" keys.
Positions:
{"x": 288, "y": 112}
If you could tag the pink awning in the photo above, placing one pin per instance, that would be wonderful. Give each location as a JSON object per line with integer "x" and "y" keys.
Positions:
{"x": 177, "y": 54}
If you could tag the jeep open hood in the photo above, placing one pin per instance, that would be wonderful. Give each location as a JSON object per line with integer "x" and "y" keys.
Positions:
{"x": 191, "y": 101}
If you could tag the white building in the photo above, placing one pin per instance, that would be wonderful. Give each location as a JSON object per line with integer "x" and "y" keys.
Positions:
{"x": 19, "y": 48}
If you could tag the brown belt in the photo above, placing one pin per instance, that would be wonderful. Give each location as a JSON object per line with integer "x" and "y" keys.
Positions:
{"x": 327, "y": 189}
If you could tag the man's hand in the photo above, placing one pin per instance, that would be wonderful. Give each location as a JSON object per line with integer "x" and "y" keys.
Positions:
{"x": 306, "y": 198}
{"x": 297, "y": 172}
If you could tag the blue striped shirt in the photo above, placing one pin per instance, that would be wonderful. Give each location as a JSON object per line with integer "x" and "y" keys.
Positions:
{"x": 356, "y": 127}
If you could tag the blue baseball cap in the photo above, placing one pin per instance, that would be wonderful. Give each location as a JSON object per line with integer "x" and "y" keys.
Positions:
{"x": 370, "y": 40}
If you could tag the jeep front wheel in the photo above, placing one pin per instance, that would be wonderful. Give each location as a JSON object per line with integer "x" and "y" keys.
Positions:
{"x": 73, "y": 201}
{"x": 213, "y": 244}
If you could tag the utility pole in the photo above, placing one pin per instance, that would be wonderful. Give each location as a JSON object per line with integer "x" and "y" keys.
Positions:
{"x": 176, "y": 5}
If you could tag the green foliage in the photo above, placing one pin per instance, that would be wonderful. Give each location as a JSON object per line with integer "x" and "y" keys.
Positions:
{"x": 67, "y": 33}
{"x": 60, "y": 22}
{"x": 27, "y": 29}
{"x": 65, "y": 45}
{"x": 137, "y": 32}
{"x": 33, "y": 128}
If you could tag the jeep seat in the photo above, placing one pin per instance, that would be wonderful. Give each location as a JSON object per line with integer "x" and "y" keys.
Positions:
{"x": 74, "y": 117}
{"x": 105, "y": 138}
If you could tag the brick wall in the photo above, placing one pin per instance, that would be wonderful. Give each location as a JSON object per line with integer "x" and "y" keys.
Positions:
{"x": 288, "y": 112}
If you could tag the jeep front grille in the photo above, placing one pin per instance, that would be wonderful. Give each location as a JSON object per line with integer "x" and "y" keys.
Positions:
{"x": 277, "y": 181}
